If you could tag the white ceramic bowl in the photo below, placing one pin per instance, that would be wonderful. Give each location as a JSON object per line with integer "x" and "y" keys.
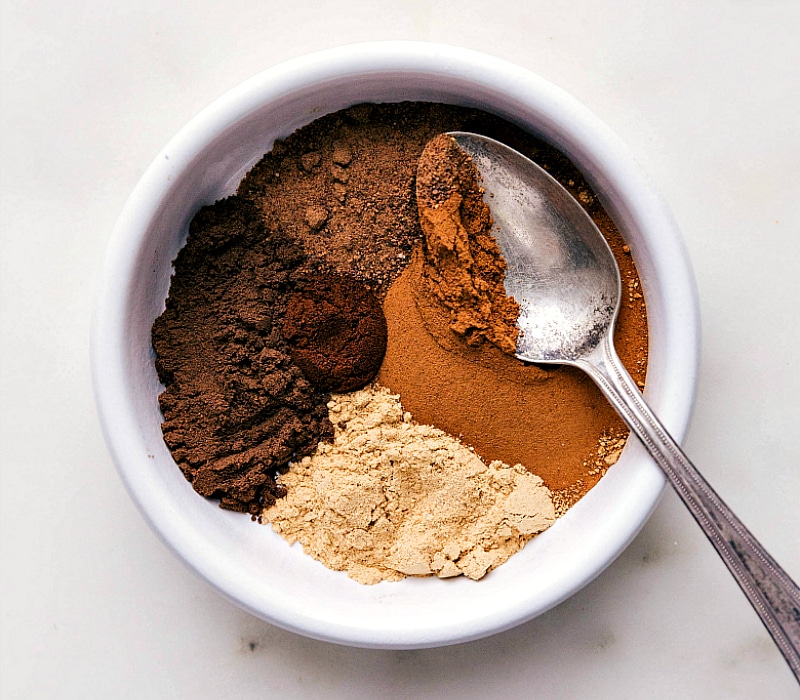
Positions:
{"x": 251, "y": 565}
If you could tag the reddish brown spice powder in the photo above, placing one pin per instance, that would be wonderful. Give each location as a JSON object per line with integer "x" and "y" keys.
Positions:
{"x": 463, "y": 266}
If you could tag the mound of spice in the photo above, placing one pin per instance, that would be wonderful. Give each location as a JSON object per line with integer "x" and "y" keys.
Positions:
{"x": 268, "y": 312}
{"x": 336, "y": 332}
{"x": 391, "y": 498}
{"x": 463, "y": 267}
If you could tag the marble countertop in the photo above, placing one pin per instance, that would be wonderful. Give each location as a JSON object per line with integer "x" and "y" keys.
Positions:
{"x": 94, "y": 605}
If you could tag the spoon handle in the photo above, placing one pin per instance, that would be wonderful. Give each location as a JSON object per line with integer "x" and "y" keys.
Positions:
{"x": 775, "y": 597}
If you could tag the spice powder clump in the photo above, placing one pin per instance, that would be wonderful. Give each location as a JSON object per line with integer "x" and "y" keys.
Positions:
{"x": 336, "y": 331}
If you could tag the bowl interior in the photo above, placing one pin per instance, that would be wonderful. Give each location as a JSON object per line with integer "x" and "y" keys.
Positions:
{"x": 250, "y": 564}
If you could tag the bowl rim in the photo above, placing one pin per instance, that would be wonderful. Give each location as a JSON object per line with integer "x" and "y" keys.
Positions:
{"x": 561, "y": 113}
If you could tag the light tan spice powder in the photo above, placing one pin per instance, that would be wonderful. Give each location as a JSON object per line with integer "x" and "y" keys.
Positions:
{"x": 391, "y": 498}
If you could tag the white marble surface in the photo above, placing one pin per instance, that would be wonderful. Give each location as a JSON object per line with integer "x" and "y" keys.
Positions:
{"x": 93, "y": 605}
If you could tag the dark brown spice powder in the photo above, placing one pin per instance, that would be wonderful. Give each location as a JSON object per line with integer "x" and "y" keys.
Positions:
{"x": 236, "y": 407}
{"x": 344, "y": 185}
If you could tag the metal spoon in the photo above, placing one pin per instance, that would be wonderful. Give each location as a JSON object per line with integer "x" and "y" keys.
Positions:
{"x": 564, "y": 277}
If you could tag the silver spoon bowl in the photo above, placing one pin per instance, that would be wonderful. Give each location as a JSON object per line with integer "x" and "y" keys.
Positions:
{"x": 566, "y": 281}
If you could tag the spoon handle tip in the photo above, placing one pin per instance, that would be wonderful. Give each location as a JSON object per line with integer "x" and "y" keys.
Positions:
{"x": 770, "y": 590}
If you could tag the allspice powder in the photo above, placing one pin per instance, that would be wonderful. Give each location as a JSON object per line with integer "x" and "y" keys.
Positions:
{"x": 336, "y": 332}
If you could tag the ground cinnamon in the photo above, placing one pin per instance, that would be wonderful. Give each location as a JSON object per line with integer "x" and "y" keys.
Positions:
{"x": 549, "y": 419}
{"x": 463, "y": 267}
